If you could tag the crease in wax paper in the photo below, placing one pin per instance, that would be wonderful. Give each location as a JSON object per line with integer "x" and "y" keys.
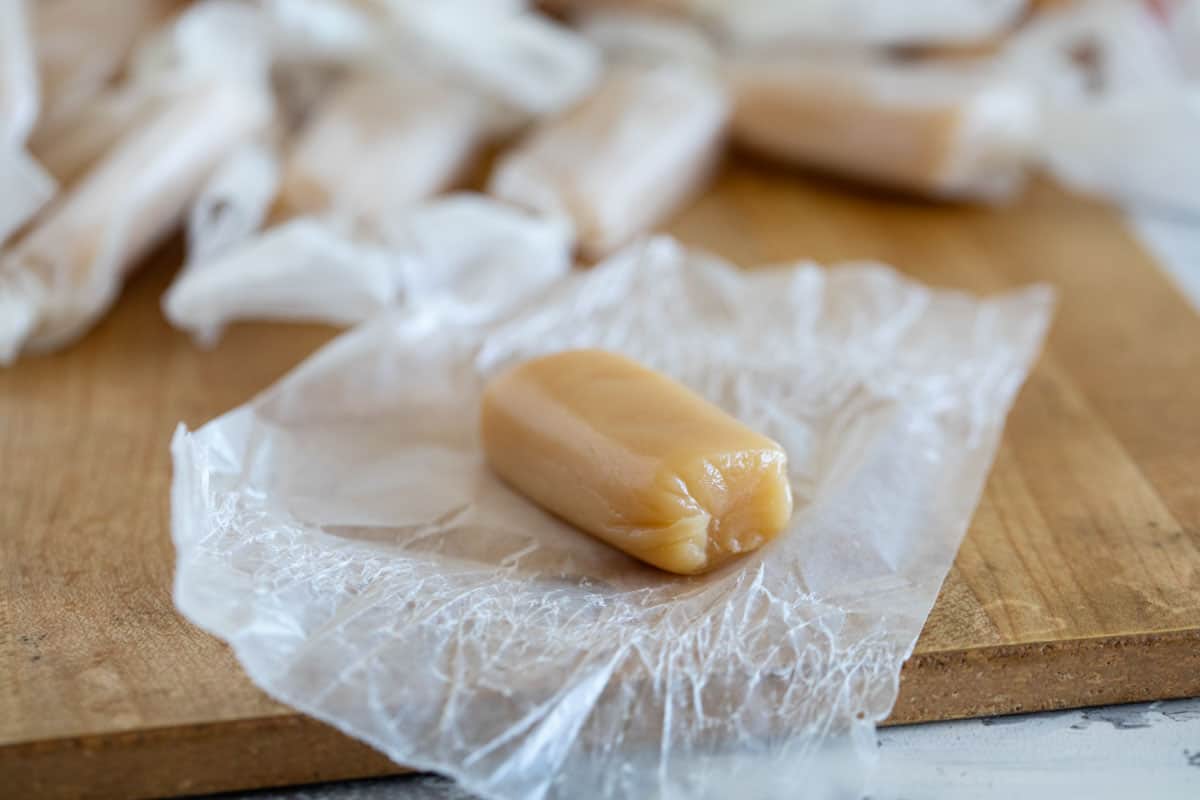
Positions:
{"x": 343, "y": 534}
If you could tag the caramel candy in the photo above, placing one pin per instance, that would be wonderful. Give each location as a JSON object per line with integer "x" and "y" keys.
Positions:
{"x": 635, "y": 459}
{"x": 622, "y": 160}
{"x": 923, "y": 129}
{"x": 61, "y": 276}
{"x": 382, "y": 141}
{"x": 70, "y": 149}
{"x": 82, "y": 49}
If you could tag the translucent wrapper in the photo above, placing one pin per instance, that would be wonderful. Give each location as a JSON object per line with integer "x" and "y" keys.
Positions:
{"x": 235, "y": 202}
{"x": 60, "y": 277}
{"x": 322, "y": 30}
{"x": 24, "y": 188}
{"x": 622, "y": 160}
{"x": 1184, "y": 27}
{"x": 68, "y": 150}
{"x": 754, "y": 24}
{"x": 231, "y": 38}
{"x": 638, "y": 37}
{"x": 1120, "y": 112}
{"x": 526, "y": 61}
{"x": 467, "y": 256}
{"x": 299, "y": 47}
{"x": 926, "y": 129}
{"x": 518, "y": 64}
{"x": 24, "y": 185}
{"x": 82, "y": 47}
{"x": 757, "y": 23}
{"x": 342, "y": 533}
{"x": 222, "y": 40}
{"x": 1094, "y": 93}
{"x": 1143, "y": 150}
{"x": 1092, "y": 49}
{"x": 381, "y": 141}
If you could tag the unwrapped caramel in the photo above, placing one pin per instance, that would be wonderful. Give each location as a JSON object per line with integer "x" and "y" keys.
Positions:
{"x": 635, "y": 459}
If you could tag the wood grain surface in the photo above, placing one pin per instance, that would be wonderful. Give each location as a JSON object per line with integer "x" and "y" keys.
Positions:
{"x": 1078, "y": 584}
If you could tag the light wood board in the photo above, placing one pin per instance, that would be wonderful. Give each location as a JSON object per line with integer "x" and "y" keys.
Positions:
{"x": 1078, "y": 584}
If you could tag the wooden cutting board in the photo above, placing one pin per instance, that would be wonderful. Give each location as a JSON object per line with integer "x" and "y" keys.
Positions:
{"x": 1078, "y": 584}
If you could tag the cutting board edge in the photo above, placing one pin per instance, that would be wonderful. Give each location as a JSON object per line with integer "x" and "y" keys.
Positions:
{"x": 237, "y": 754}
{"x": 1088, "y": 671}
{"x": 221, "y": 756}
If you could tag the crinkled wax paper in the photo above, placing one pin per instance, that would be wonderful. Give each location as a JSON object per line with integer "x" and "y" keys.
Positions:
{"x": 342, "y": 533}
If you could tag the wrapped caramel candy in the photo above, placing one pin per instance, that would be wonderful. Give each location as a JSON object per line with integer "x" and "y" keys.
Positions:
{"x": 640, "y": 37}
{"x": 24, "y": 184}
{"x": 67, "y": 150}
{"x": 528, "y": 63}
{"x": 1086, "y": 52}
{"x": 635, "y": 459}
{"x": 59, "y": 278}
{"x": 1183, "y": 26}
{"x": 382, "y": 141}
{"x": 923, "y": 129}
{"x": 625, "y": 158}
{"x": 758, "y": 23}
{"x": 83, "y": 46}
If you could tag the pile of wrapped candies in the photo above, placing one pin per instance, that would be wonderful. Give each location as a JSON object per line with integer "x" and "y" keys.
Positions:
{"x": 307, "y": 146}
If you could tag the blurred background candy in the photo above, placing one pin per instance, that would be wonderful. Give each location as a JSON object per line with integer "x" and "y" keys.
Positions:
{"x": 296, "y": 136}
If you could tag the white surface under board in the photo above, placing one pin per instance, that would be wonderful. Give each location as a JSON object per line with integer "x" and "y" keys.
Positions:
{"x": 1145, "y": 750}
{"x": 1176, "y": 245}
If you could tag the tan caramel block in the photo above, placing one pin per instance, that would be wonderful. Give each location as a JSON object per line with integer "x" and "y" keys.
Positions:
{"x": 635, "y": 459}
{"x": 928, "y": 129}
